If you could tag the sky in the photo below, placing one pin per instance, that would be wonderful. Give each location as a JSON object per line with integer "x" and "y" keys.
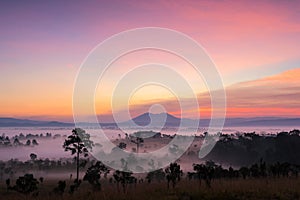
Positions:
{"x": 255, "y": 46}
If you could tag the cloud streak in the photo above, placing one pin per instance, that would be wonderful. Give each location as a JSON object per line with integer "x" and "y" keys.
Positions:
{"x": 276, "y": 95}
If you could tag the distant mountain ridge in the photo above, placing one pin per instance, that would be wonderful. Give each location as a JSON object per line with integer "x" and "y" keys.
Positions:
{"x": 155, "y": 119}
{"x": 172, "y": 121}
{"x": 13, "y": 122}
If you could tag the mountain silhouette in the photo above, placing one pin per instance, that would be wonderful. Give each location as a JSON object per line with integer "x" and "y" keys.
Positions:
{"x": 145, "y": 119}
{"x": 162, "y": 120}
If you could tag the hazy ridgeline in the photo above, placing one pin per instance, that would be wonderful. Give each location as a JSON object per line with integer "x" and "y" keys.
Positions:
{"x": 247, "y": 166}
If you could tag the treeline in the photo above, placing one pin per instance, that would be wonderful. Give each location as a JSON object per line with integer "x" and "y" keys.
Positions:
{"x": 248, "y": 148}
{"x": 29, "y": 139}
{"x": 204, "y": 174}
{"x": 8, "y": 169}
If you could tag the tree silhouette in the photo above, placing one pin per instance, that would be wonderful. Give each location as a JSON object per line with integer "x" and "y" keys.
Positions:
{"x": 28, "y": 143}
{"x": 245, "y": 172}
{"x": 7, "y": 182}
{"x": 34, "y": 142}
{"x": 158, "y": 175}
{"x": 41, "y": 179}
{"x": 138, "y": 141}
{"x": 199, "y": 172}
{"x": 206, "y": 171}
{"x": 26, "y": 184}
{"x": 33, "y": 156}
{"x": 122, "y": 145}
{"x": 60, "y": 189}
{"x": 173, "y": 174}
{"x": 124, "y": 178}
{"x": 78, "y": 143}
{"x": 93, "y": 174}
{"x": 16, "y": 142}
{"x": 74, "y": 186}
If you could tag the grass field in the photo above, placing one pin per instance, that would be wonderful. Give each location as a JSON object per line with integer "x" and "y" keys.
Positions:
{"x": 268, "y": 188}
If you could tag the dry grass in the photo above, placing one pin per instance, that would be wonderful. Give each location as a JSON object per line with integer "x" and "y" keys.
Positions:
{"x": 283, "y": 188}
